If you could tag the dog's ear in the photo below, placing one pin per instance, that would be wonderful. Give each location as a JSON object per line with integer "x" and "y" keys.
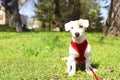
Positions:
{"x": 84, "y": 22}
{"x": 67, "y": 26}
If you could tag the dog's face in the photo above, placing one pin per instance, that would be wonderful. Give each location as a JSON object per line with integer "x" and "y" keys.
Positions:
{"x": 77, "y": 27}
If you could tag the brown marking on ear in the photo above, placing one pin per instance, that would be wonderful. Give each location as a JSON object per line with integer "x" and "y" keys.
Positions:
{"x": 80, "y": 24}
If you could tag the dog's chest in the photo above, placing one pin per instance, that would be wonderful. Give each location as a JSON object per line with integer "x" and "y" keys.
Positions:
{"x": 80, "y": 49}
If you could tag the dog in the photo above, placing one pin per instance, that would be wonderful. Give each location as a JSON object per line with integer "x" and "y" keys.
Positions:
{"x": 79, "y": 49}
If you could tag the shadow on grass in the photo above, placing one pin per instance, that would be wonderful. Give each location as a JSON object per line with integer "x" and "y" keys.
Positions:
{"x": 5, "y": 28}
{"x": 82, "y": 66}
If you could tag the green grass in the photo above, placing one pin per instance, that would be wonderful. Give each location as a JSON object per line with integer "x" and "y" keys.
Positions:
{"x": 37, "y": 56}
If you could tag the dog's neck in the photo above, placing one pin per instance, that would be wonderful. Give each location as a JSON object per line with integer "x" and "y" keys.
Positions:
{"x": 79, "y": 40}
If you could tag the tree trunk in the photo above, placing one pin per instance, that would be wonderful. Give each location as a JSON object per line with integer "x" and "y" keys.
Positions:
{"x": 17, "y": 18}
{"x": 73, "y": 10}
{"x": 12, "y": 14}
{"x": 113, "y": 21}
{"x": 57, "y": 8}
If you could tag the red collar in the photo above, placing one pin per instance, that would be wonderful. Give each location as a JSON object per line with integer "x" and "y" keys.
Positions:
{"x": 80, "y": 48}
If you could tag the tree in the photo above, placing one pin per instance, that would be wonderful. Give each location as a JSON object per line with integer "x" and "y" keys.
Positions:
{"x": 113, "y": 21}
{"x": 62, "y": 11}
{"x": 45, "y": 13}
{"x": 12, "y": 14}
{"x": 57, "y": 8}
{"x": 13, "y": 17}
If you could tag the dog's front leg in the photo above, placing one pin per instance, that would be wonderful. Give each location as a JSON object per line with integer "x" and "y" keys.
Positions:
{"x": 73, "y": 66}
{"x": 88, "y": 64}
{"x": 68, "y": 67}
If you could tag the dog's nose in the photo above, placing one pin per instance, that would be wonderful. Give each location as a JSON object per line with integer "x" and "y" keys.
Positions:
{"x": 77, "y": 34}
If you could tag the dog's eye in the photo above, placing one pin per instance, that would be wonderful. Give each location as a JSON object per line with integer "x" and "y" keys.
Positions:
{"x": 81, "y": 26}
{"x": 71, "y": 27}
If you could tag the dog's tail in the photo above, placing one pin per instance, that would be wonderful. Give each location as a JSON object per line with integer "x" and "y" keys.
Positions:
{"x": 66, "y": 58}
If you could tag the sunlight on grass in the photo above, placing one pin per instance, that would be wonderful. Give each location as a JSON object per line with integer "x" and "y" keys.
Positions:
{"x": 37, "y": 55}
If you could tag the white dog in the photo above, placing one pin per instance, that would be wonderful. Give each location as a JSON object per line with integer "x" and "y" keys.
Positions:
{"x": 79, "y": 49}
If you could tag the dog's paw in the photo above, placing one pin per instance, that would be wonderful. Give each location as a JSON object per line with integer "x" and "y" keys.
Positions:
{"x": 89, "y": 71}
{"x": 94, "y": 69}
{"x": 71, "y": 74}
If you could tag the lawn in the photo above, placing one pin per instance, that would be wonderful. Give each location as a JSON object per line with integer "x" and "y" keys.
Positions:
{"x": 37, "y": 56}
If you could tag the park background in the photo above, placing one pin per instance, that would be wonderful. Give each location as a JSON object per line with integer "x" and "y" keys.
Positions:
{"x": 33, "y": 39}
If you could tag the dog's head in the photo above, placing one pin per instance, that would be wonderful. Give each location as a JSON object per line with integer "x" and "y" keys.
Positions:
{"x": 77, "y": 27}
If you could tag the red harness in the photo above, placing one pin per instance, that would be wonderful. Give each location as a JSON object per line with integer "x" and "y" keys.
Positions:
{"x": 80, "y": 48}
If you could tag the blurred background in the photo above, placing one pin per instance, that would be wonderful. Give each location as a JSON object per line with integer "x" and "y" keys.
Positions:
{"x": 51, "y": 15}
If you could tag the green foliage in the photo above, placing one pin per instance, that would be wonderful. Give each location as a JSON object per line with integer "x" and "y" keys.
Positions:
{"x": 37, "y": 56}
{"x": 70, "y": 10}
{"x": 45, "y": 13}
